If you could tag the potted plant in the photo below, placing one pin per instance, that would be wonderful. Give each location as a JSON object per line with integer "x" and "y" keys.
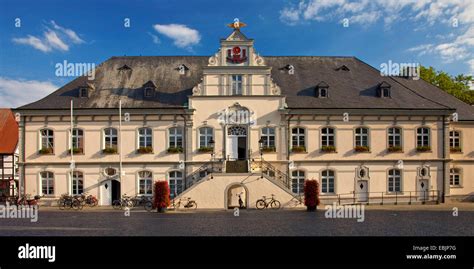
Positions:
{"x": 175, "y": 150}
{"x": 423, "y": 148}
{"x": 268, "y": 149}
{"x": 75, "y": 151}
{"x": 161, "y": 196}
{"x": 361, "y": 149}
{"x": 109, "y": 150}
{"x": 46, "y": 151}
{"x": 394, "y": 149}
{"x": 144, "y": 150}
{"x": 298, "y": 149}
{"x": 205, "y": 149}
{"x": 455, "y": 149}
{"x": 328, "y": 149}
{"x": 311, "y": 194}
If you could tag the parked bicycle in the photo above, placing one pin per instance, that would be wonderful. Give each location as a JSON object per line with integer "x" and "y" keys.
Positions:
{"x": 265, "y": 202}
{"x": 187, "y": 204}
{"x": 89, "y": 200}
{"x": 139, "y": 200}
{"x": 67, "y": 201}
{"x": 125, "y": 201}
{"x": 24, "y": 199}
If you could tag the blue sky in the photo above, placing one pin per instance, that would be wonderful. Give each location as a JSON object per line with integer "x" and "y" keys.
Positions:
{"x": 439, "y": 33}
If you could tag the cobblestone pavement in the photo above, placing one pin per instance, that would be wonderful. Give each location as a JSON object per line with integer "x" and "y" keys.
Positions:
{"x": 426, "y": 220}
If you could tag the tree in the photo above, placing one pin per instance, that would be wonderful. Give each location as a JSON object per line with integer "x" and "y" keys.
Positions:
{"x": 457, "y": 86}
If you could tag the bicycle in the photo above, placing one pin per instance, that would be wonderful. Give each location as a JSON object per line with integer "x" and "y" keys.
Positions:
{"x": 125, "y": 201}
{"x": 89, "y": 200}
{"x": 273, "y": 203}
{"x": 68, "y": 201}
{"x": 188, "y": 204}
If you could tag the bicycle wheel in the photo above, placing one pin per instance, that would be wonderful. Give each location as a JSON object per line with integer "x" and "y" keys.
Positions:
{"x": 192, "y": 205}
{"x": 61, "y": 204}
{"x": 148, "y": 206}
{"x": 76, "y": 205}
{"x": 116, "y": 204}
{"x": 275, "y": 204}
{"x": 260, "y": 204}
{"x": 67, "y": 204}
{"x": 93, "y": 202}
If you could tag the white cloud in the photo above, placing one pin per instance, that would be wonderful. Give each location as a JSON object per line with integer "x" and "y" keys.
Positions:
{"x": 34, "y": 42}
{"x": 15, "y": 93}
{"x": 471, "y": 65}
{"x": 183, "y": 36}
{"x": 58, "y": 38}
{"x": 155, "y": 38}
{"x": 68, "y": 32}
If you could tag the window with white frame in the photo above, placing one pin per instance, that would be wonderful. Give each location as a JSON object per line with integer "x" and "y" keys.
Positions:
{"x": 78, "y": 139}
{"x": 327, "y": 181}
{"x": 145, "y": 182}
{"x": 77, "y": 183}
{"x": 297, "y": 181}
{"x": 394, "y": 137}
{"x": 362, "y": 137}
{"x": 47, "y": 139}
{"x": 394, "y": 180}
{"x": 205, "y": 135}
{"x": 455, "y": 177}
{"x": 47, "y": 183}
{"x": 236, "y": 84}
{"x": 454, "y": 140}
{"x": 422, "y": 137}
{"x": 268, "y": 137}
{"x": 145, "y": 137}
{"x": 327, "y": 137}
{"x": 176, "y": 183}
{"x": 175, "y": 137}
{"x": 110, "y": 138}
{"x": 298, "y": 137}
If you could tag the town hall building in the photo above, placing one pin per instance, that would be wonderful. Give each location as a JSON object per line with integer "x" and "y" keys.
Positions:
{"x": 239, "y": 123}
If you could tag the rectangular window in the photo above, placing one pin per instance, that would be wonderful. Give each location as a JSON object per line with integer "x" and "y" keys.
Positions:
{"x": 454, "y": 177}
{"x": 175, "y": 137}
{"x": 144, "y": 137}
{"x": 47, "y": 139}
{"x": 145, "y": 183}
{"x": 298, "y": 137}
{"x": 78, "y": 139}
{"x": 394, "y": 137}
{"x": 297, "y": 181}
{"x": 327, "y": 137}
{"x": 236, "y": 84}
{"x": 394, "y": 181}
{"x": 422, "y": 137}
{"x": 268, "y": 137}
{"x": 176, "y": 183}
{"x": 327, "y": 180}
{"x": 47, "y": 183}
{"x": 110, "y": 138}
{"x": 205, "y": 135}
{"x": 454, "y": 140}
{"x": 362, "y": 137}
{"x": 77, "y": 183}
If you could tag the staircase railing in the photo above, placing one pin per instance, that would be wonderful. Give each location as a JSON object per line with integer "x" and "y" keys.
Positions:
{"x": 202, "y": 172}
{"x": 272, "y": 172}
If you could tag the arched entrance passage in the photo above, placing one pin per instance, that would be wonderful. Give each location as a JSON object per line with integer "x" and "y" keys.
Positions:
{"x": 109, "y": 191}
{"x": 232, "y": 193}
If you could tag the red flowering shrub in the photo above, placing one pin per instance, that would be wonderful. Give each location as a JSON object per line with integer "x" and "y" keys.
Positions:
{"x": 311, "y": 193}
{"x": 161, "y": 198}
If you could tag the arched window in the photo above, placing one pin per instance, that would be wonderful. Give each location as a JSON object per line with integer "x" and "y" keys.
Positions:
{"x": 47, "y": 140}
{"x": 362, "y": 137}
{"x": 205, "y": 135}
{"x": 394, "y": 137}
{"x": 47, "y": 183}
{"x": 176, "y": 183}
{"x": 455, "y": 141}
{"x": 175, "y": 137}
{"x": 422, "y": 137}
{"x": 145, "y": 137}
{"x": 110, "y": 138}
{"x": 455, "y": 177}
{"x": 327, "y": 181}
{"x": 394, "y": 180}
{"x": 77, "y": 140}
{"x": 327, "y": 137}
{"x": 145, "y": 183}
{"x": 297, "y": 181}
{"x": 77, "y": 183}
{"x": 298, "y": 137}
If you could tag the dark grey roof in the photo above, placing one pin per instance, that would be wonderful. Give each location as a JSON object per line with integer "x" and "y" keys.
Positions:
{"x": 352, "y": 84}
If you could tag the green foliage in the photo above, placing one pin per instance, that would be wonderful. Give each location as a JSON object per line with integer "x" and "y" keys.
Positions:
{"x": 457, "y": 86}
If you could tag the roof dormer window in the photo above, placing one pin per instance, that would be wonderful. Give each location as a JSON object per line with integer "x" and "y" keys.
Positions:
{"x": 83, "y": 92}
{"x": 384, "y": 90}
{"x": 343, "y": 68}
{"x": 149, "y": 89}
{"x": 322, "y": 90}
{"x": 182, "y": 69}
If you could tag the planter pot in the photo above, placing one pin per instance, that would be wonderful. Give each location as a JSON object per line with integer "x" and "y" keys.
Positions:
{"x": 311, "y": 208}
{"x": 161, "y": 210}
